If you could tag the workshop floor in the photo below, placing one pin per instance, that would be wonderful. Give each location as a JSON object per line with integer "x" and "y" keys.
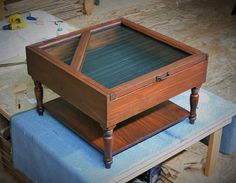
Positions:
{"x": 204, "y": 24}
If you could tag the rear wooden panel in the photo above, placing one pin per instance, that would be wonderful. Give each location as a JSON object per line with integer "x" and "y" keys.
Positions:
{"x": 147, "y": 97}
{"x": 82, "y": 96}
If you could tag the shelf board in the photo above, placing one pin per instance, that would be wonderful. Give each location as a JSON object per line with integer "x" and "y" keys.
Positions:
{"x": 126, "y": 133}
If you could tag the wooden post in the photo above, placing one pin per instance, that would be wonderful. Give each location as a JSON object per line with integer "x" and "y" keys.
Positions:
{"x": 108, "y": 143}
{"x": 2, "y": 11}
{"x": 38, "y": 90}
{"x": 88, "y": 6}
{"x": 213, "y": 152}
{"x": 193, "y": 104}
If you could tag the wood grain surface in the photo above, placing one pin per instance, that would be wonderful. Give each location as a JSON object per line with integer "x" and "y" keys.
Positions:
{"x": 127, "y": 133}
{"x": 75, "y": 91}
{"x": 78, "y": 56}
{"x": 147, "y": 97}
{"x": 136, "y": 87}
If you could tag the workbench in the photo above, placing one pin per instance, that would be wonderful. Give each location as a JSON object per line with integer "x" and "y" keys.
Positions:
{"x": 45, "y": 151}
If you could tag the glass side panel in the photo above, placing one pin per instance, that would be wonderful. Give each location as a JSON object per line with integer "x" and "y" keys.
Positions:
{"x": 64, "y": 51}
{"x": 119, "y": 54}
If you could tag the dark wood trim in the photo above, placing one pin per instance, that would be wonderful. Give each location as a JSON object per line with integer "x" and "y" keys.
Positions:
{"x": 54, "y": 61}
{"x": 194, "y": 97}
{"x": 147, "y": 97}
{"x": 150, "y": 78}
{"x": 57, "y": 40}
{"x": 89, "y": 100}
{"x": 140, "y": 81}
{"x": 108, "y": 144}
{"x": 105, "y": 25}
{"x": 38, "y": 91}
{"x": 80, "y": 51}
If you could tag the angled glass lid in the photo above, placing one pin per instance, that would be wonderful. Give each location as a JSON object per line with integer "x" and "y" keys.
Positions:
{"x": 119, "y": 54}
{"x": 114, "y": 55}
{"x": 64, "y": 51}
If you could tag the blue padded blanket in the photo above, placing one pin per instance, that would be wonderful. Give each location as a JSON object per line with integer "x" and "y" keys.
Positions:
{"x": 47, "y": 152}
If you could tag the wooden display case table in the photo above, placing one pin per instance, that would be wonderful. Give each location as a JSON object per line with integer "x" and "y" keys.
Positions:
{"x": 108, "y": 74}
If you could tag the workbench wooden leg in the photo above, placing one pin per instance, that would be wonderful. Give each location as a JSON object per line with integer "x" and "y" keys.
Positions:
{"x": 108, "y": 143}
{"x": 193, "y": 104}
{"x": 38, "y": 90}
{"x": 213, "y": 152}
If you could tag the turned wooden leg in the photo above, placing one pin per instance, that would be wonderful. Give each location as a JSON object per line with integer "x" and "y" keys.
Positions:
{"x": 38, "y": 90}
{"x": 108, "y": 143}
{"x": 193, "y": 104}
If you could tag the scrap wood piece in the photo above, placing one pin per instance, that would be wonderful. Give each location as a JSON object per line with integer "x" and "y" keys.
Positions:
{"x": 20, "y": 88}
{"x": 169, "y": 177}
{"x": 11, "y": 64}
{"x": 88, "y": 7}
{"x": 169, "y": 173}
{"x": 196, "y": 166}
{"x": 165, "y": 179}
{"x": 171, "y": 169}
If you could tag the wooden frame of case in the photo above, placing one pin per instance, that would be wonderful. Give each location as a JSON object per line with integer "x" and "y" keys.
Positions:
{"x": 111, "y": 106}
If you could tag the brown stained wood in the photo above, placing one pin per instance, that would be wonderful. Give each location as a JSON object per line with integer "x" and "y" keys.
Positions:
{"x": 80, "y": 51}
{"x": 147, "y": 97}
{"x": 38, "y": 90}
{"x": 125, "y": 134}
{"x": 150, "y": 78}
{"x": 108, "y": 145}
{"x": 193, "y": 104}
{"x": 62, "y": 51}
{"x": 79, "y": 94}
{"x": 50, "y": 60}
{"x": 107, "y": 106}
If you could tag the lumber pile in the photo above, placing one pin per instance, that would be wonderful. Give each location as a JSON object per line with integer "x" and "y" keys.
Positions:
{"x": 174, "y": 169}
{"x": 63, "y": 9}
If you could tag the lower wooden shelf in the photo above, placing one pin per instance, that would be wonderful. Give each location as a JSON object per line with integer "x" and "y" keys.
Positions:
{"x": 126, "y": 133}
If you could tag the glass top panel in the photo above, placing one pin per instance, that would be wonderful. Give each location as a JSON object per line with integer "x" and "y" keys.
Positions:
{"x": 119, "y": 54}
{"x": 64, "y": 51}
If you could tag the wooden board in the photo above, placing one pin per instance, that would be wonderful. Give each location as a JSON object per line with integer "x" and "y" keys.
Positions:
{"x": 127, "y": 133}
{"x": 2, "y": 11}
